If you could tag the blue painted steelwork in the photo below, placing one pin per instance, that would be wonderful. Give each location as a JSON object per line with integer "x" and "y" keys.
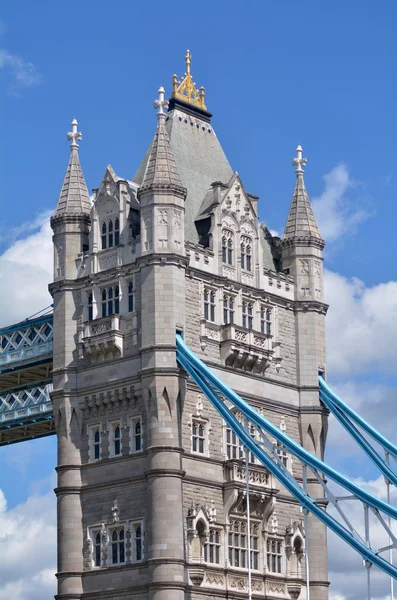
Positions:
{"x": 26, "y": 342}
{"x": 343, "y": 413}
{"x": 24, "y": 406}
{"x": 210, "y": 384}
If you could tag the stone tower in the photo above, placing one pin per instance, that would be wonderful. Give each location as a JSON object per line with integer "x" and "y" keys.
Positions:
{"x": 151, "y": 485}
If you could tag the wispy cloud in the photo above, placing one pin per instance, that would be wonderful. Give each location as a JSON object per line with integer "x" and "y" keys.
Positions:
{"x": 340, "y": 208}
{"x": 23, "y": 73}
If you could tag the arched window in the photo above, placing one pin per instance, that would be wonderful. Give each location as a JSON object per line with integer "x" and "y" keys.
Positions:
{"x": 116, "y": 232}
{"x": 266, "y": 321}
{"x": 130, "y": 296}
{"x": 97, "y": 444}
{"x": 198, "y": 437}
{"x": 104, "y": 237}
{"x": 246, "y": 254}
{"x": 209, "y": 305}
{"x": 136, "y": 435}
{"x": 224, "y": 249}
{"x": 228, "y": 309}
{"x": 138, "y": 543}
{"x": 118, "y": 547}
{"x": 230, "y": 251}
{"x": 97, "y": 550}
{"x": 247, "y": 311}
{"x": 110, "y": 234}
{"x": 90, "y": 307}
{"x": 117, "y": 440}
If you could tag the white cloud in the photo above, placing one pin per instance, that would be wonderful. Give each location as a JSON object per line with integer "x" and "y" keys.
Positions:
{"x": 25, "y": 272}
{"x": 361, "y": 325}
{"x": 24, "y": 72}
{"x": 28, "y": 538}
{"x": 338, "y": 210}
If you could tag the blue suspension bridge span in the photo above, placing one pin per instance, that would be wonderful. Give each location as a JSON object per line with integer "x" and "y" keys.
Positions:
{"x": 26, "y": 413}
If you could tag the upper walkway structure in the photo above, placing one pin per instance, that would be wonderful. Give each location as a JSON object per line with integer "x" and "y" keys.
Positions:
{"x": 26, "y": 380}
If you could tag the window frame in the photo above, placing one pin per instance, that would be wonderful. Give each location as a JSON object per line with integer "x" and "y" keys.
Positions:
{"x": 133, "y": 421}
{"x": 131, "y": 295}
{"x": 112, "y": 427}
{"x": 240, "y": 550}
{"x": 228, "y": 247}
{"x": 246, "y": 253}
{"x": 110, "y": 233}
{"x": 209, "y": 303}
{"x": 110, "y": 300}
{"x": 247, "y": 314}
{"x": 277, "y": 556}
{"x": 93, "y": 444}
{"x": 204, "y": 424}
{"x": 119, "y": 543}
{"x": 266, "y": 319}
{"x": 213, "y": 547}
{"x": 228, "y": 309}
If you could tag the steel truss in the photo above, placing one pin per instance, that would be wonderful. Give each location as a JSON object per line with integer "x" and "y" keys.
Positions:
{"x": 267, "y": 453}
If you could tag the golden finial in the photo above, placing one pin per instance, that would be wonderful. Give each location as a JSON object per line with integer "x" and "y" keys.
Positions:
{"x": 186, "y": 89}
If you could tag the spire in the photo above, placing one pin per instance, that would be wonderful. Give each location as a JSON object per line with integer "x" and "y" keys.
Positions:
{"x": 186, "y": 90}
{"x": 301, "y": 222}
{"x": 74, "y": 197}
{"x": 161, "y": 170}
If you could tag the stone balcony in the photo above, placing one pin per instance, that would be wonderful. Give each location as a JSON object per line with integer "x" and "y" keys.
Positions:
{"x": 245, "y": 349}
{"x": 258, "y": 476}
{"x": 103, "y": 339}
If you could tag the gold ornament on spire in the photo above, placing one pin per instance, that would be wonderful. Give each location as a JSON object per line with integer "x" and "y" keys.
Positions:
{"x": 186, "y": 89}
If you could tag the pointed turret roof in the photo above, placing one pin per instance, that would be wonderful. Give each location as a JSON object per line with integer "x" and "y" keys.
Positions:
{"x": 301, "y": 222}
{"x": 74, "y": 197}
{"x": 161, "y": 170}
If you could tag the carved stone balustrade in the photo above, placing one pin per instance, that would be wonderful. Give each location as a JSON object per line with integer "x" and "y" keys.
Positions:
{"x": 103, "y": 338}
{"x": 258, "y": 476}
{"x": 245, "y": 349}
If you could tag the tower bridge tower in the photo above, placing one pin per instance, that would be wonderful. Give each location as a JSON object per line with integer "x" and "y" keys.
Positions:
{"x": 151, "y": 486}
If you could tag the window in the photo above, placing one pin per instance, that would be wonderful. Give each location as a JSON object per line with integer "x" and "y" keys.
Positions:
{"x": 212, "y": 547}
{"x": 266, "y": 321}
{"x": 110, "y": 234}
{"x": 117, "y": 538}
{"x": 247, "y": 315}
{"x": 115, "y": 441}
{"x": 282, "y": 454}
{"x": 94, "y": 438}
{"x": 138, "y": 543}
{"x": 97, "y": 549}
{"x": 228, "y": 309}
{"x": 90, "y": 307}
{"x": 130, "y": 296}
{"x": 110, "y": 301}
{"x": 227, "y": 247}
{"x": 238, "y": 553}
{"x": 198, "y": 437}
{"x": 136, "y": 440}
{"x": 234, "y": 448}
{"x": 246, "y": 254}
{"x": 273, "y": 551}
{"x": 209, "y": 305}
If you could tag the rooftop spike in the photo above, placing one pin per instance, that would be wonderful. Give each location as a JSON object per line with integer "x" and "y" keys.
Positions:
{"x": 74, "y": 197}
{"x": 301, "y": 222}
{"x": 161, "y": 170}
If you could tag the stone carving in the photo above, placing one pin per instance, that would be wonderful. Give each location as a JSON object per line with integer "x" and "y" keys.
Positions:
{"x": 260, "y": 342}
{"x": 276, "y": 586}
{"x": 228, "y": 222}
{"x": 215, "y": 579}
{"x": 255, "y": 477}
{"x": 212, "y": 334}
{"x": 238, "y": 583}
{"x": 240, "y": 336}
{"x": 228, "y": 272}
{"x": 115, "y": 512}
{"x": 162, "y": 216}
{"x": 246, "y": 229}
{"x": 177, "y": 219}
{"x": 304, "y": 267}
{"x": 317, "y": 268}
{"x": 247, "y": 279}
{"x": 108, "y": 261}
{"x": 101, "y": 327}
{"x": 87, "y": 554}
{"x": 104, "y": 540}
{"x": 147, "y": 232}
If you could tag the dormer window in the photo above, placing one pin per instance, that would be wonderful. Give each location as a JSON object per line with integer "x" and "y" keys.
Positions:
{"x": 227, "y": 247}
{"x": 110, "y": 233}
{"x": 246, "y": 254}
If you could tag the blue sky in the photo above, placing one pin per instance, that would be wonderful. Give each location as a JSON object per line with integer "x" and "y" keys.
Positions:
{"x": 276, "y": 74}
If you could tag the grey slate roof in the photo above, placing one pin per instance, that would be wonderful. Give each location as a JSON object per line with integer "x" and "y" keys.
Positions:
{"x": 74, "y": 197}
{"x": 160, "y": 166}
{"x": 199, "y": 158}
{"x": 301, "y": 221}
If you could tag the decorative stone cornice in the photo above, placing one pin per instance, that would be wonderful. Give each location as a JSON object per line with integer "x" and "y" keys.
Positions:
{"x": 305, "y": 241}
{"x": 311, "y": 306}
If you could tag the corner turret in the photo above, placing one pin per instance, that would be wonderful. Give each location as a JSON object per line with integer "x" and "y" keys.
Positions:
{"x": 71, "y": 219}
